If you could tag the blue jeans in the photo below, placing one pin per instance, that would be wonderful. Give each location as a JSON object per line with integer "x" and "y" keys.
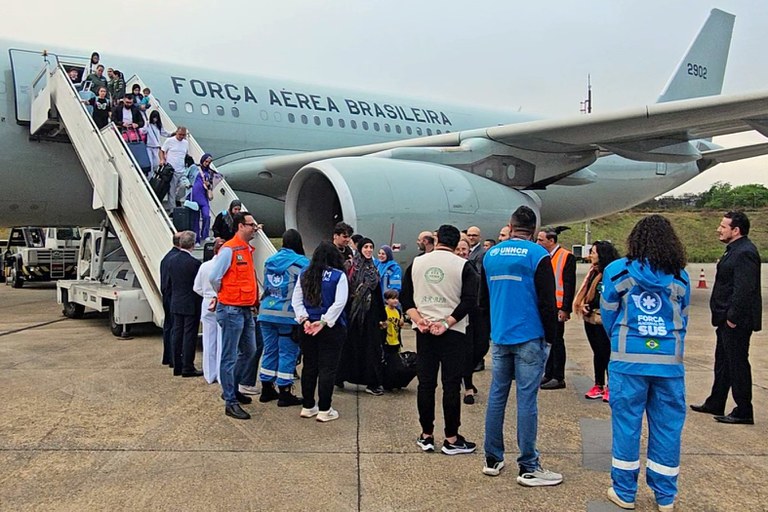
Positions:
{"x": 238, "y": 347}
{"x": 249, "y": 377}
{"x": 523, "y": 363}
{"x": 280, "y": 353}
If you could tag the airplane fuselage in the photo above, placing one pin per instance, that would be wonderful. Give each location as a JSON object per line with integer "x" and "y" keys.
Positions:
{"x": 236, "y": 116}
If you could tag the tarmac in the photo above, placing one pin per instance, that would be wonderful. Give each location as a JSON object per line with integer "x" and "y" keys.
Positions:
{"x": 93, "y": 422}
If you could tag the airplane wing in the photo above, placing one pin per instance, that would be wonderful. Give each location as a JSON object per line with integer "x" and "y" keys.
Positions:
{"x": 533, "y": 154}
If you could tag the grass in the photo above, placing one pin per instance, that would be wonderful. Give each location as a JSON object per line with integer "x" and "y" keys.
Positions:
{"x": 695, "y": 228}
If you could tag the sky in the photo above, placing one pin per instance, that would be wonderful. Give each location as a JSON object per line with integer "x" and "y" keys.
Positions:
{"x": 531, "y": 56}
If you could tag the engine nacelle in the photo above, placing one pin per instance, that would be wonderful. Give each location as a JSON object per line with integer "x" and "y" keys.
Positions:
{"x": 391, "y": 201}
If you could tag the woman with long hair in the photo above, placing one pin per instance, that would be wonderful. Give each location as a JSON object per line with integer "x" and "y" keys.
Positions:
{"x": 276, "y": 320}
{"x": 154, "y": 133}
{"x": 644, "y": 309}
{"x": 587, "y": 306}
{"x": 362, "y": 359}
{"x": 319, "y": 298}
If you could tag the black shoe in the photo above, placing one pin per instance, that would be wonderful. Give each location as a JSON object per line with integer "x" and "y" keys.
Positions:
{"x": 427, "y": 444}
{"x": 241, "y": 398}
{"x": 460, "y": 446}
{"x": 480, "y": 366}
{"x": 735, "y": 420}
{"x": 553, "y": 384}
{"x": 237, "y": 412}
{"x": 268, "y": 392}
{"x": 706, "y": 409}
{"x": 377, "y": 391}
{"x": 469, "y": 399}
{"x": 176, "y": 373}
{"x": 288, "y": 399}
{"x": 193, "y": 373}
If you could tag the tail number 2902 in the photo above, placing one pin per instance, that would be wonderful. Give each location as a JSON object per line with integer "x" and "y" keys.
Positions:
{"x": 697, "y": 71}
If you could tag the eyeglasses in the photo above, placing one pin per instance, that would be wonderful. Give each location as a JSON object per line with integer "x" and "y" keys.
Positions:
{"x": 472, "y": 234}
{"x": 252, "y": 224}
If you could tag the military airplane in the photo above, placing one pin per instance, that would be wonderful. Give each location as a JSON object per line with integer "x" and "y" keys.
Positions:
{"x": 305, "y": 156}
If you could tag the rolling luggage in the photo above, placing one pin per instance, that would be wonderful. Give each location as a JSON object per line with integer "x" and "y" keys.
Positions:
{"x": 138, "y": 147}
{"x": 399, "y": 369}
{"x": 161, "y": 181}
{"x": 183, "y": 218}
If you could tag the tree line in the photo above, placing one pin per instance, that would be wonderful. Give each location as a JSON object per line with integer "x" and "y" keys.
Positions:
{"x": 720, "y": 196}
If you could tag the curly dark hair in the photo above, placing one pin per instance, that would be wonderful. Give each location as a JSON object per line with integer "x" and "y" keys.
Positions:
{"x": 653, "y": 240}
{"x": 325, "y": 257}
{"x": 606, "y": 253}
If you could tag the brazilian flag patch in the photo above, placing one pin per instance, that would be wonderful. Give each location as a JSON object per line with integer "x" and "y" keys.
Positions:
{"x": 652, "y": 344}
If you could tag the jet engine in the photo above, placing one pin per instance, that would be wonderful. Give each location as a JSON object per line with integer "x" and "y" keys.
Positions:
{"x": 391, "y": 201}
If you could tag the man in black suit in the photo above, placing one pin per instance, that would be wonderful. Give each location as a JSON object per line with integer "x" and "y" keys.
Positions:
{"x": 185, "y": 306}
{"x": 165, "y": 290}
{"x": 736, "y": 306}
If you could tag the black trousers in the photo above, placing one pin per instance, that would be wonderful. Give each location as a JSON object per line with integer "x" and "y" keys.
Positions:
{"x": 167, "y": 334}
{"x": 445, "y": 353}
{"x": 555, "y": 368}
{"x": 601, "y": 350}
{"x": 184, "y": 342}
{"x": 732, "y": 371}
{"x": 321, "y": 355}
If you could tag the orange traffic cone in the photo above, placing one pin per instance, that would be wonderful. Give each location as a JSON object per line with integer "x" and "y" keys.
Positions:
{"x": 702, "y": 280}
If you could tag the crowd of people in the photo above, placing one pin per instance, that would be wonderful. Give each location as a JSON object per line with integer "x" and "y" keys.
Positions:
{"x": 177, "y": 180}
{"x": 341, "y": 310}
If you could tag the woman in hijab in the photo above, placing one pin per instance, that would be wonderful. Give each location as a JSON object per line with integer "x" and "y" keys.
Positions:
{"x": 362, "y": 356}
{"x": 201, "y": 191}
{"x": 389, "y": 270}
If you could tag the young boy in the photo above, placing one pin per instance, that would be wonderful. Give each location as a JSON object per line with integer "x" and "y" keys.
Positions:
{"x": 393, "y": 323}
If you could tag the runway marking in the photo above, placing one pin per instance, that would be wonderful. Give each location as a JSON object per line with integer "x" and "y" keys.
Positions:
{"x": 33, "y": 326}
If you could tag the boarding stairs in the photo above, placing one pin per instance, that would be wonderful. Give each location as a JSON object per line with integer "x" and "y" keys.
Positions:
{"x": 120, "y": 187}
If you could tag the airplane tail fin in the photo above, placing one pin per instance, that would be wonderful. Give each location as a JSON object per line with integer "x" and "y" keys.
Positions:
{"x": 702, "y": 69}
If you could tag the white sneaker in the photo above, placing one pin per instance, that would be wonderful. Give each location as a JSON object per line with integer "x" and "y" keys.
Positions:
{"x": 667, "y": 508}
{"x": 308, "y": 413}
{"x": 248, "y": 390}
{"x": 539, "y": 477}
{"x": 626, "y": 505}
{"x": 329, "y": 415}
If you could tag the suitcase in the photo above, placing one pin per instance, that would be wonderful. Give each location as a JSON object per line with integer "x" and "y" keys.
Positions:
{"x": 399, "y": 369}
{"x": 183, "y": 218}
{"x": 161, "y": 181}
{"x": 139, "y": 152}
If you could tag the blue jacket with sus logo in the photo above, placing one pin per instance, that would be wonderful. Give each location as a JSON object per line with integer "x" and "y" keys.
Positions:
{"x": 645, "y": 313}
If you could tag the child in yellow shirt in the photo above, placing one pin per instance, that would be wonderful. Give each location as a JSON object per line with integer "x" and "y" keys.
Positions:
{"x": 393, "y": 323}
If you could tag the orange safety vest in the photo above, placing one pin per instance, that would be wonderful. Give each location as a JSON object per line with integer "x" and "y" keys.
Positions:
{"x": 558, "y": 262}
{"x": 238, "y": 285}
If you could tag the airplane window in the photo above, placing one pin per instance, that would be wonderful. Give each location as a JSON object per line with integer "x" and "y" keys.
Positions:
{"x": 365, "y": 125}
{"x": 408, "y": 130}
{"x": 353, "y": 124}
{"x": 418, "y": 130}
{"x": 220, "y": 110}
{"x": 387, "y": 128}
{"x": 264, "y": 115}
{"x": 189, "y": 108}
{"x": 398, "y": 129}
{"x": 341, "y": 123}
{"x": 304, "y": 119}
{"x": 317, "y": 120}
{"x": 235, "y": 112}
{"x": 172, "y": 105}
{"x": 329, "y": 121}
{"x": 429, "y": 131}
{"x": 204, "y": 109}
{"x": 376, "y": 127}
{"x": 291, "y": 118}
{"x": 438, "y": 132}
{"x": 278, "y": 117}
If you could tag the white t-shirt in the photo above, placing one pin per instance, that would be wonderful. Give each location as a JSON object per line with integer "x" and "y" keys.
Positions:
{"x": 127, "y": 116}
{"x": 175, "y": 150}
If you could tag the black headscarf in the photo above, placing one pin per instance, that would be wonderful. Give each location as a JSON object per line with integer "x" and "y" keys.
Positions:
{"x": 363, "y": 282}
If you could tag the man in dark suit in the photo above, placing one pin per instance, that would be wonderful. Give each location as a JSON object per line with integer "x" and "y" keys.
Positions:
{"x": 165, "y": 290}
{"x": 564, "y": 268}
{"x": 736, "y": 306}
{"x": 476, "y": 249}
{"x": 185, "y": 306}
